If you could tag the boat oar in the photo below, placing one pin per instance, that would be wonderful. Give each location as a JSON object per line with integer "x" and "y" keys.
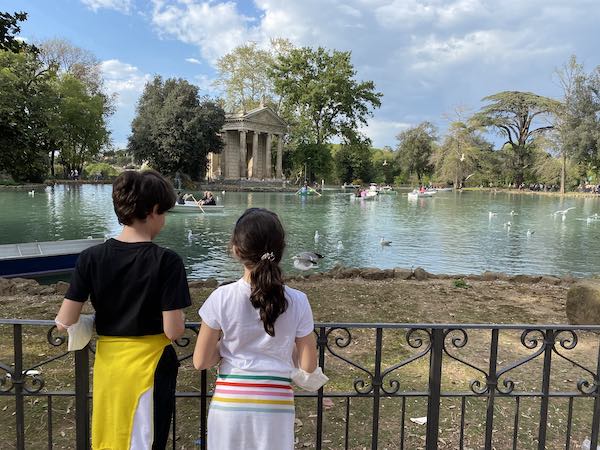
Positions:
{"x": 314, "y": 190}
{"x": 198, "y": 204}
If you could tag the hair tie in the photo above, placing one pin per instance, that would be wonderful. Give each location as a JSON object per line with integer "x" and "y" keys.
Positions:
{"x": 269, "y": 255}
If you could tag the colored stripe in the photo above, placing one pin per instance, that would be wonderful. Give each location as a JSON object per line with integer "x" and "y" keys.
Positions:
{"x": 254, "y": 377}
{"x": 257, "y": 401}
{"x": 246, "y": 409}
{"x": 257, "y": 385}
{"x": 251, "y": 392}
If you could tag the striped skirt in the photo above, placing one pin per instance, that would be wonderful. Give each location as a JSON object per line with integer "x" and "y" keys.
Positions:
{"x": 251, "y": 411}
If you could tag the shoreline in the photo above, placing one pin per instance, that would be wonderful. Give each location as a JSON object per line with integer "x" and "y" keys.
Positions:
{"x": 527, "y": 192}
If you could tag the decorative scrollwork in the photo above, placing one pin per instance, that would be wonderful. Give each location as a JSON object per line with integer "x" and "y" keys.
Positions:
{"x": 55, "y": 341}
{"x": 530, "y": 338}
{"x": 6, "y": 382}
{"x": 185, "y": 341}
{"x": 414, "y": 341}
{"x": 360, "y": 385}
{"x": 569, "y": 342}
{"x": 477, "y": 386}
{"x": 35, "y": 381}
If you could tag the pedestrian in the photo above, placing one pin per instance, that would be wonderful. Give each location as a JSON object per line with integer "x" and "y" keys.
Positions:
{"x": 253, "y": 327}
{"x": 138, "y": 291}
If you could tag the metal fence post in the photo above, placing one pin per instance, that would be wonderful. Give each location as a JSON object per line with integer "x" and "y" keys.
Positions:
{"x": 492, "y": 382}
{"x": 321, "y": 343}
{"x": 548, "y": 343}
{"x": 376, "y": 388}
{"x": 17, "y": 381}
{"x": 596, "y": 416}
{"x": 82, "y": 403}
{"x": 435, "y": 381}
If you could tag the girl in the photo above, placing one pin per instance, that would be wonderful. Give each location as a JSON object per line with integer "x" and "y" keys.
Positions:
{"x": 260, "y": 321}
{"x": 138, "y": 290}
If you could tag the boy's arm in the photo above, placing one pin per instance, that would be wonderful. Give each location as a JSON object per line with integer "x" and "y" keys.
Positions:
{"x": 174, "y": 323}
{"x": 68, "y": 314}
{"x": 307, "y": 352}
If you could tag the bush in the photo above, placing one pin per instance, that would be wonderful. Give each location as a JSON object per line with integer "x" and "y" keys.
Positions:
{"x": 104, "y": 169}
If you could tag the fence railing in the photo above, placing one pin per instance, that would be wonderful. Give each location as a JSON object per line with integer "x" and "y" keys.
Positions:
{"x": 478, "y": 386}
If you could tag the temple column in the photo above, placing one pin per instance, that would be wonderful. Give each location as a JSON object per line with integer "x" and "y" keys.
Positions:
{"x": 254, "y": 160}
{"x": 280, "y": 156}
{"x": 243, "y": 166}
{"x": 268, "y": 157}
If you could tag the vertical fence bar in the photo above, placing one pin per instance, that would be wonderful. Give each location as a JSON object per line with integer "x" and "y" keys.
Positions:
{"x": 492, "y": 382}
{"x": 516, "y": 426}
{"x": 49, "y": 422}
{"x": 569, "y": 423}
{"x": 462, "y": 422}
{"x": 82, "y": 407}
{"x": 402, "y": 422}
{"x": 203, "y": 412}
{"x": 321, "y": 343}
{"x": 435, "y": 381}
{"x": 596, "y": 417}
{"x": 548, "y": 343}
{"x": 347, "y": 430}
{"x": 376, "y": 387}
{"x": 17, "y": 380}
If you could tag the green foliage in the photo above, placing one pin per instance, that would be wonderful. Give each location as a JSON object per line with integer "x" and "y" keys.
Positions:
{"x": 26, "y": 115}
{"x": 81, "y": 129}
{"x": 320, "y": 97}
{"x": 415, "y": 147}
{"x": 318, "y": 162}
{"x": 174, "y": 130}
{"x": 383, "y": 169}
{"x": 103, "y": 169}
{"x": 461, "y": 283}
{"x": 513, "y": 114}
{"x": 9, "y": 28}
{"x": 352, "y": 160}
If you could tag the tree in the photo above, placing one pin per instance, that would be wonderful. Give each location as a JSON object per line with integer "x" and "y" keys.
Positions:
{"x": 514, "y": 114}
{"x": 383, "y": 168}
{"x": 352, "y": 160}
{"x": 320, "y": 96}
{"x": 414, "y": 150}
{"x": 80, "y": 123}
{"x": 459, "y": 154}
{"x": 578, "y": 121}
{"x": 174, "y": 129}
{"x": 9, "y": 28}
{"x": 26, "y": 115}
{"x": 244, "y": 75}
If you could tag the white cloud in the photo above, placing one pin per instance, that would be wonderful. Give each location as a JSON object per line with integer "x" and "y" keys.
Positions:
{"x": 118, "y": 5}
{"x": 383, "y": 132}
{"x": 123, "y": 79}
{"x": 193, "y": 61}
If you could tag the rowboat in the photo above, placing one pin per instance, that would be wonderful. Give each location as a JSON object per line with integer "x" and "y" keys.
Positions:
{"x": 416, "y": 194}
{"x": 192, "y": 207}
{"x": 42, "y": 258}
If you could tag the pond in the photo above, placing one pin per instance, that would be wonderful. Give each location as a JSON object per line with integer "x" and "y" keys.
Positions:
{"x": 450, "y": 233}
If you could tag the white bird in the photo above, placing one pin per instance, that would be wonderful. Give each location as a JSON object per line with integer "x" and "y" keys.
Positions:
{"x": 223, "y": 192}
{"x": 530, "y": 232}
{"x": 31, "y": 193}
{"x": 90, "y": 237}
{"x": 563, "y": 212}
{"x": 462, "y": 157}
{"x": 383, "y": 242}
{"x": 316, "y": 236}
{"x": 492, "y": 214}
{"x": 189, "y": 235}
{"x": 513, "y": 213}
{"x": 340, "y": 245}
{"x": 589, "y": 220}
{"x": 507, "y": 225}
{"x": 306, "y": 260}
{"x": 385, "y": 163}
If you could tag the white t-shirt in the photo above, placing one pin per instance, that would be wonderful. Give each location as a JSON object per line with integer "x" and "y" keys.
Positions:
{"x": 245, "y": 344}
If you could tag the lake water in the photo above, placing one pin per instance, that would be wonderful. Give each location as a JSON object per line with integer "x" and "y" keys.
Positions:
{"x": 449, "y": 233}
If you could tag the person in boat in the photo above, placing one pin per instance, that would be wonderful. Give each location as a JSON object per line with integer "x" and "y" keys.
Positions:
{"x": 256, "y": 329}
{"x": 304, "y": 189}
{"x": 139, "y": 291}
{"x": 209, "y": 200}
{"x": 181, "y": 198}
{"x": 421, "y": 189}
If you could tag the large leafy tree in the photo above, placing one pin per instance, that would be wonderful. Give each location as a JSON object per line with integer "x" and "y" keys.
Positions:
{"x": 520, "y": 117}
{"x": 352, "y": 160}
{"x": 415, "y": 148}
{"x": 27, "y": 113}
{"x": 459, "y": 154}
{"x": 9, "y": 29}
{"x": 243, "y": 74}
{"x": 81, "y": 130}
{"x": 578, "y": 121}
{"x": 321, "y": 96}
{"x": 174, "y": 128}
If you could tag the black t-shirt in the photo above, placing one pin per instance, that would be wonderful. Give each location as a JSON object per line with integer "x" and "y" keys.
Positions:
{"x": 130, "y": 284}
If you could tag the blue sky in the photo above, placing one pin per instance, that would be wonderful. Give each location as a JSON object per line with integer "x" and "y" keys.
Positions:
{"x": 427, "y": 57}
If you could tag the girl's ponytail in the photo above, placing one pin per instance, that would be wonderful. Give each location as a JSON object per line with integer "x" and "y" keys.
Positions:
{"x": 259, "y": 240}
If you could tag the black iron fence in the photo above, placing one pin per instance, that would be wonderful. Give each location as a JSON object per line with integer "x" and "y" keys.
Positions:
{"x": 470, "y": 386}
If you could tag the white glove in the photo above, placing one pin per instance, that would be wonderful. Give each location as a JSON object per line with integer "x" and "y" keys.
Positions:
{"x": 309, "y": 381}
{"x": 80, "y": 333}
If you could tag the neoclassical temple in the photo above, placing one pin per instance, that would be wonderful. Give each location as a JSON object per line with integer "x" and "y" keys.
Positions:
{"x": 248, "y": 138}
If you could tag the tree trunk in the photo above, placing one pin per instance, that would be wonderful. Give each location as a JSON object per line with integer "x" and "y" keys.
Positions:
{"x": 52, "y": 162}
{"x": 563, "y": 173}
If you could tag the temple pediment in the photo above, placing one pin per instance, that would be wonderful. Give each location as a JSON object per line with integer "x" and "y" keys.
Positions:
{"x": 262, "y": 119}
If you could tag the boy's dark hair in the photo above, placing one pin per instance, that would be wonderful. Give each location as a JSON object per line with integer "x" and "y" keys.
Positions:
{"x": 136, "y": 193}
{"x": 259, "y": 240}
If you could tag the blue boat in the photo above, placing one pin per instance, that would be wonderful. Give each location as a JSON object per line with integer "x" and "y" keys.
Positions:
{"x": 41, "y": 258}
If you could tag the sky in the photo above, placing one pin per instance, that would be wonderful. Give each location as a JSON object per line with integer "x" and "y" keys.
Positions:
{"x": 429, "y": 58}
